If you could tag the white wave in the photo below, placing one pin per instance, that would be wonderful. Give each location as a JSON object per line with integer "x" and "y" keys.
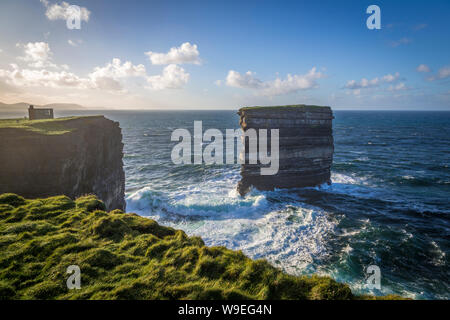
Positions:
{"x": 288, "y": 233}
{"x": 440, "y": 256}
{"x": 291, "y": 235}
{"x": 348, "y": 179}
{"x": 276, "y": 225}
{"x": 216, "y": 198}
{"x": 350, "y": 185}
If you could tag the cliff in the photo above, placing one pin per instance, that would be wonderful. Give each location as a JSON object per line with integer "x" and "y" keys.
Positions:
{"x": 71, "y": 156}
{"x": 305, "y": 146}
{"x": 125, "y": 256}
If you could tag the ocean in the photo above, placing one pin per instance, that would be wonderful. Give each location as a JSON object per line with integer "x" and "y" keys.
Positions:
{"x": 388, "y": 204}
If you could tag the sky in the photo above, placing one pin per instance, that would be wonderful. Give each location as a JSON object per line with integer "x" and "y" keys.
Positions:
{"x": 226, "y": 54}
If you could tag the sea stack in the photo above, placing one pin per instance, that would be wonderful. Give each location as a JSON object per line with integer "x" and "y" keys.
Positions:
{"x": 305, "y": 146}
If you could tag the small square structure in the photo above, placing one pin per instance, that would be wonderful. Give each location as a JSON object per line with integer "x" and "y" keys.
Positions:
{"x": 36, "y": 114}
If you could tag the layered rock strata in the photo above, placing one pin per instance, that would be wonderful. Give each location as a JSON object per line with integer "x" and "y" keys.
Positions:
{"x": 305, "y": 146}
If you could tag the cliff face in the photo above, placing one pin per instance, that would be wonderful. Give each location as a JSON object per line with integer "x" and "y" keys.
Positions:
{"x": 305, "y": 146}
{"x": 84, "y": 156}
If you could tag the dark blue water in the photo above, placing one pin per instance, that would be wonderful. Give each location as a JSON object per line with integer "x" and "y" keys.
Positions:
{"x": 388, "y": 204}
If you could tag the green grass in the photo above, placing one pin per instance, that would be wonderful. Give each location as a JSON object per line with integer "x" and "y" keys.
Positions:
{"x": 300, "y": 106}
{"x": 125, "y": 256}
{"x": 46, "y": 126}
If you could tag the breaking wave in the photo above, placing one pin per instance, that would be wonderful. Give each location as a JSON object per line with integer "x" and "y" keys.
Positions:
{"x": 270, "y": 225}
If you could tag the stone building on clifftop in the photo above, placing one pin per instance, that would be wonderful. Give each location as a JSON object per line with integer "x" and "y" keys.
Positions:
{"x": 41, "y": 113}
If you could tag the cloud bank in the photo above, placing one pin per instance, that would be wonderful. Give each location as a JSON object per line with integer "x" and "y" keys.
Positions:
{"x": 186, "y": 53}
{"x": 62, "y": 11}
{"x": 443, "y": 73}
{"x": 291, "y": 84}
{"x": 110, "y": 77}
{"x": 356, "y": 86}
{"x": 172, "y": 77}
{"x": 37, "y": 54}
{"x": 423, "y": 68}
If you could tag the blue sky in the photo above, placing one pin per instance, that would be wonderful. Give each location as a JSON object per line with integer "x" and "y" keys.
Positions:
{"x": 226, "y": 54}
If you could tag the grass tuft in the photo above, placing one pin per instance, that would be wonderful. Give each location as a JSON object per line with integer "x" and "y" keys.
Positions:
{"x": 55, "y": 126}
{"x": 11, "y": 199}
{"x": 126, "y": 256}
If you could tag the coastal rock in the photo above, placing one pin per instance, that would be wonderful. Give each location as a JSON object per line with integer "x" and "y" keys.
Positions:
{"x": 305, "y": 146}
{"x": 73, "y": 156}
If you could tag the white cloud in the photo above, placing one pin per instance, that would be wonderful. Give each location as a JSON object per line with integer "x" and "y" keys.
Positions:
{"x": 42, "y": 78}
{"x": 292, "y": 83}
{"x": 186, "y": 53}
{"x": 172, "y": 77}
{"x": 62, "y": 11}
{"x": 74, "y": 43}
{"x": 373, "y": 83}
{"x": 363, "y": 83}
{"x": 110, "y": 77}
{"x": 37, "y": 54}
{"x": 355, "y": 87}
{"x": 104, "y": 78}
{"x": 423, "y": 68}
{"x": 391, "y": 77}
{"x": 116, "y": 69}
{"x": 400, "y": 42}
{"x": 108, "y": 84}
{"x": 443, "y": 73}
{"x": 398, "y": 87}
{"x": 246, "y": 80}
{"x": 107, "y": 77}
{"x": 1, "y": 50}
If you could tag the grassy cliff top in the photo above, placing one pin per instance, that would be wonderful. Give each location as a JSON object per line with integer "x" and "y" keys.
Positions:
{"x": 125, "y": 256}
{"x": 46, "y": 126}
{"x": 303, "y": 107}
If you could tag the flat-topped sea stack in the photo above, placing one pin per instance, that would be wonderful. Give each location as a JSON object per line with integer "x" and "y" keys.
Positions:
{"x": 305, "y": 146}
{"x": 71, "y": 156}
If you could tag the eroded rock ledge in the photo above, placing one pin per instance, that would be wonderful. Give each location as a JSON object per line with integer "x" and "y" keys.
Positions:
{"x": 71, "y": 156}
{"x": 305, "y": 146}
